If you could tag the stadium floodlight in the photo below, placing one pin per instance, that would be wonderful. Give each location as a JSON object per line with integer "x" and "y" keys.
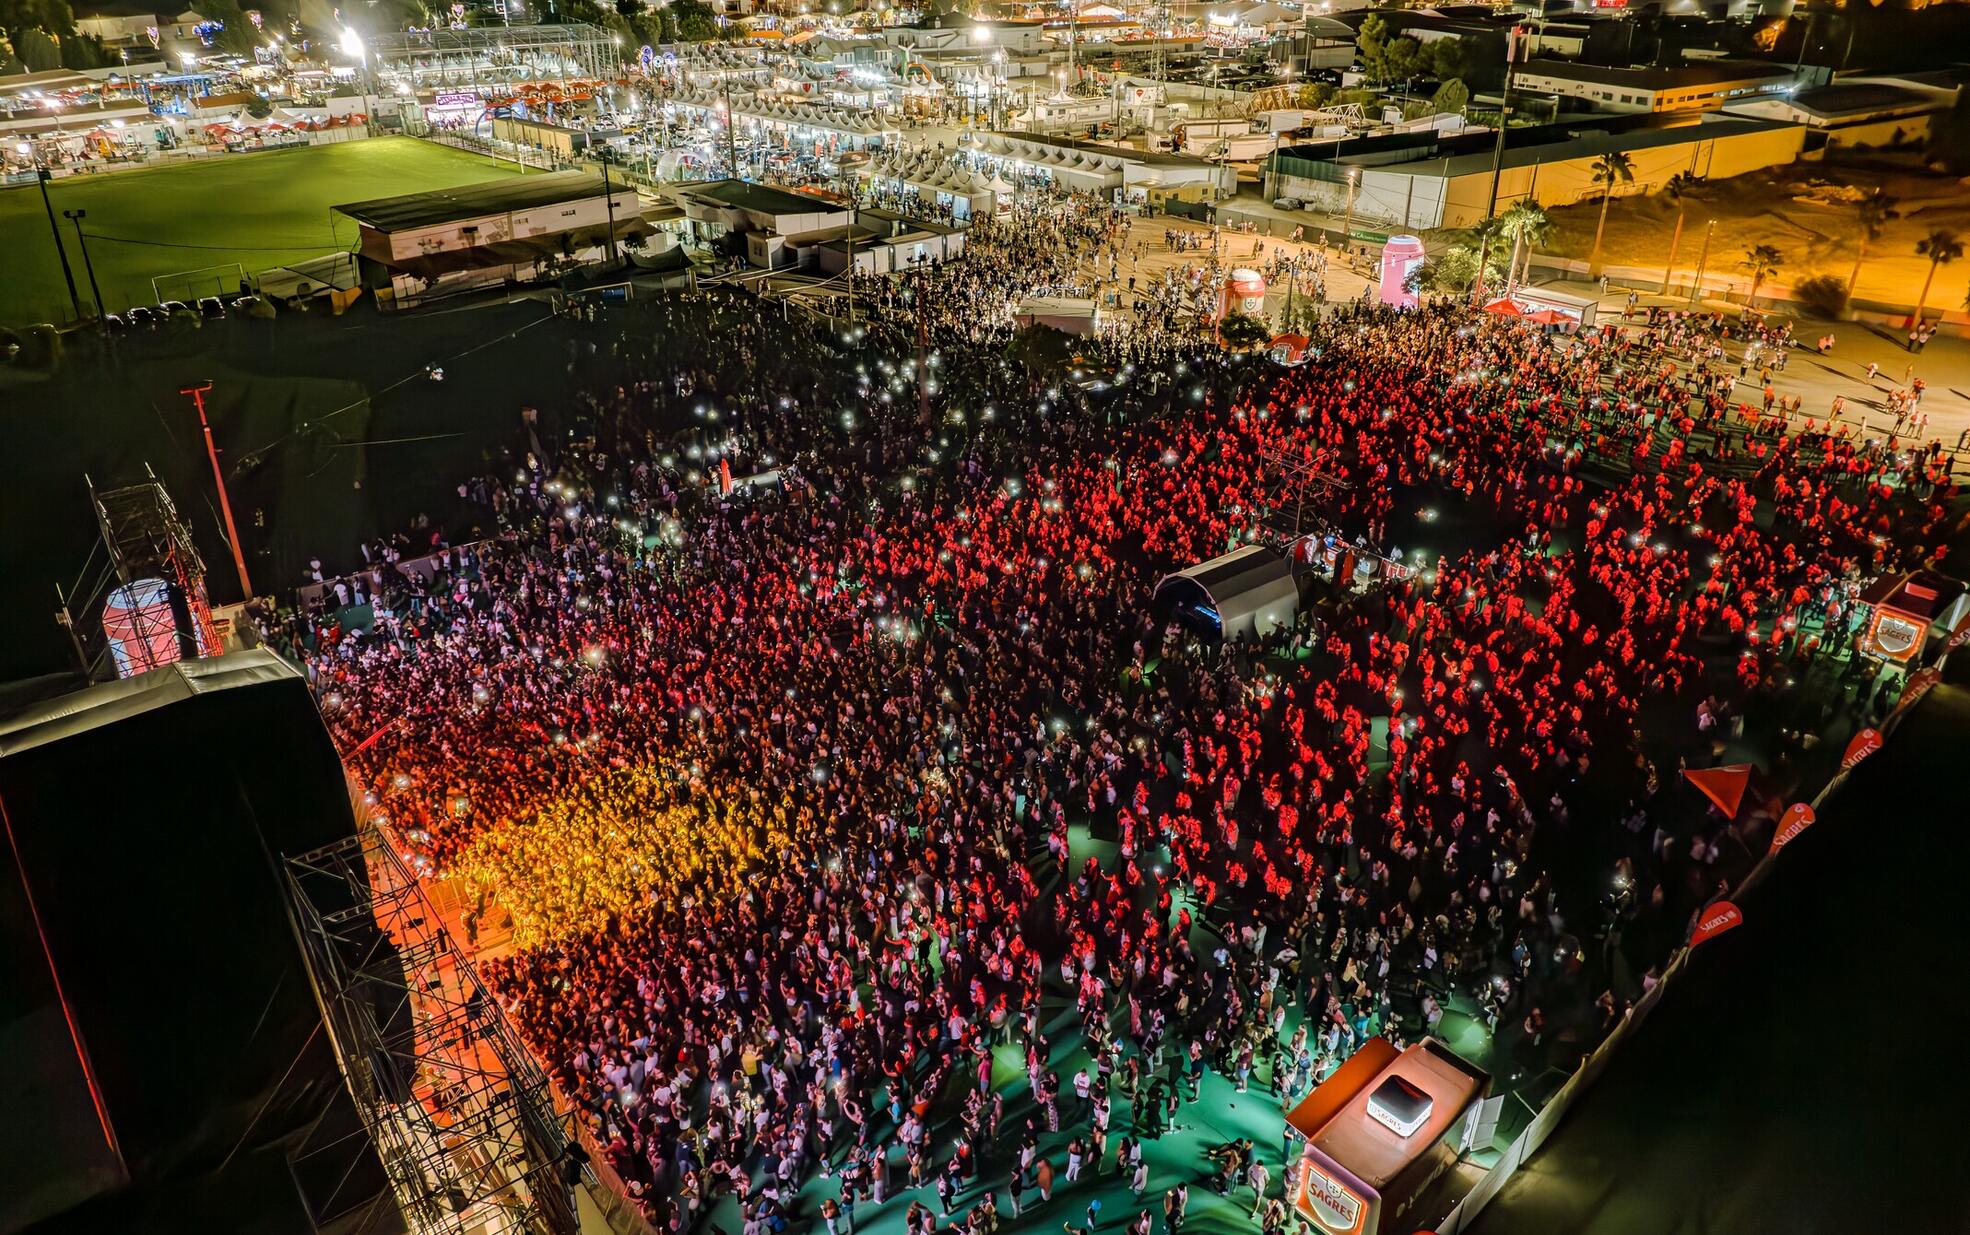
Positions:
{"x": 352, "y": 44}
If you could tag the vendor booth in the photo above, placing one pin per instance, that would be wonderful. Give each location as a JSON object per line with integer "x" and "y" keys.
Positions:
{"x": 1378, "y": 1132}
{"x": 1245, "y": 593}
{"x": 1902, "y": 612}
{"x": 1559, "y": 308}
{"x": 1075, "y": 315}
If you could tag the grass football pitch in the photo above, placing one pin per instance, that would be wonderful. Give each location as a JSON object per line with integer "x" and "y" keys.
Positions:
{"x": 257, "y": 210}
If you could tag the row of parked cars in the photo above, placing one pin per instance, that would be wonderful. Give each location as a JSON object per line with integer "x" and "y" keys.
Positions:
{"x": 196, "y": 313}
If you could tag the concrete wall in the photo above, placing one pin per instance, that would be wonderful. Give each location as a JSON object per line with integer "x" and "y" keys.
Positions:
{"x": 1418, "y": 196}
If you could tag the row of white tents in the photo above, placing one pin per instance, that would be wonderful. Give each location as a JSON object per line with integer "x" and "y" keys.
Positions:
{"x": 932, "y": 174}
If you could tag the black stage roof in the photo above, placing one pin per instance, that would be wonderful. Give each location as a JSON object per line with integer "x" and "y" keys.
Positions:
{"x": 158, "y": 1035}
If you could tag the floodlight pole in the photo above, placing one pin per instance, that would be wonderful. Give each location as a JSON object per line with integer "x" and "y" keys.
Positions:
{"x": 76, "y": 217}
{"x": 219, "y": 478}
{"x": 41, "y": 177}
{"x": 1512, "y": 38}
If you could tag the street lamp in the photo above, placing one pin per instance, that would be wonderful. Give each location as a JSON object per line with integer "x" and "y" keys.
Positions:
{"x": 41, "y": 177}
{"x": 1347, "y": 224}
{"x": 352, "y": 45}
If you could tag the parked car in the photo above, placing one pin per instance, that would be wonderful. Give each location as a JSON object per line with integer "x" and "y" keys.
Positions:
{"x": 211, "y": 308}
{"x": 142, "y": 317}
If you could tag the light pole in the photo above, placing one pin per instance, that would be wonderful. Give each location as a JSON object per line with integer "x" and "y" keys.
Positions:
{"x": 76, "y": 217}
{"x": 352, "y": 44}
{"x": 41, "y": 177}
{"x": 1512, "y": 38}
{"x": 1702, "y": 260}
{"x": 1347, "y": 223}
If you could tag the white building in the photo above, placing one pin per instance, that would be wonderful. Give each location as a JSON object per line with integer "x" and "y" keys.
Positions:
{"x": 1708, "y": 86}
{"x": 767, "y": 218}
{"x": 422, "y": 245}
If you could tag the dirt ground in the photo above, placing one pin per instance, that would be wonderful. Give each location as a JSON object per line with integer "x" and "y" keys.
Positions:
{"x": 1805, "y": 211}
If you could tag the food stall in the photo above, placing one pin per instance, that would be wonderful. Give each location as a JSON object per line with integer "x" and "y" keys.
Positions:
{"x": 1378, "y": 1132}
{"x": 1903, "y": 610}
{"x": 1570, "y": 311}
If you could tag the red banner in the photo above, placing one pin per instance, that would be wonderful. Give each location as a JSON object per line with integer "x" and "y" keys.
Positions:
{"x": 1797, "y": 818}
{"x": 1959, "y": 636}
{"x": 1717, "y": 919}
{"x": 1865, "y": 743}
{"x": 1919, "y": 684}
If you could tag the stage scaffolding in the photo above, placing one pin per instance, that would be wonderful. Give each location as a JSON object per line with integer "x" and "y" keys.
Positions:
{"x": 493, "y": 56}
{"x": 461, "y": 1116}
{"x": 118, "y": 624}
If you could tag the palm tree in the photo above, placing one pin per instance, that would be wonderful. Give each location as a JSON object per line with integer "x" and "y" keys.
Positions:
{"x": 1527, "y": 225}
{"x": 1680, "y": 188}
{"x": 1762, "y": 260}
{"x": 1872, "y": 212}
{"x": 1609, "y": 170}
{"x": 1941, "y": 246}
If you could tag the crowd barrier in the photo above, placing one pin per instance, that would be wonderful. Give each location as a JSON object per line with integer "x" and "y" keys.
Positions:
{"x": 426, "y": 568}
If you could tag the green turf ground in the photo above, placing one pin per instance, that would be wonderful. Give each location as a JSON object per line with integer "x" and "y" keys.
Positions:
{"x": 259, "y": 210}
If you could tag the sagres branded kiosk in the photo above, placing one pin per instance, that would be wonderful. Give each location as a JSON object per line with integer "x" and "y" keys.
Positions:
{"x": 1378, "y": 1132}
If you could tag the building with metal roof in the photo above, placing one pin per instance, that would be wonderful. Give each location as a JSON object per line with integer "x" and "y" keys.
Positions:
{"x": 1705, "y": 85}
{"x": 518, "y": 228}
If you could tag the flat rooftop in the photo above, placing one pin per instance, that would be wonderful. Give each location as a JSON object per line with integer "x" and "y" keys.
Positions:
{"x": 745, "y": 195}
{"x": 1648, "y": 77}
{"x": 1373, "y": 1152}
{"x": 471, "y": 201}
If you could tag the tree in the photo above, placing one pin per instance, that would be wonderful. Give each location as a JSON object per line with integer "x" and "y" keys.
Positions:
{"x": 38, "y": 50}
{"x": 1941, "y": 246}
{"x": 1372, "y": 42}
{"x": 1452, "y": 96}
{"x": 1872, "y": 212}
{"x": 1456, "y": 267}
{"x": 1315, "y": 95}
{"x": 1528, "y": 227}
{"x": 694, "y": 21}
{"x": 1609, "y": 170}
{"x": 1681, "y": 187}
{"x": 1762, "y": 260}
{"x": 1241, "y": 331}
{"x": 1447, "y": 58}
{"x": 1405, "y": 59}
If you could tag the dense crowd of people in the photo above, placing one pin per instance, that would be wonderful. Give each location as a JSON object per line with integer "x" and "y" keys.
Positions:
{"x": 812, "y": 801}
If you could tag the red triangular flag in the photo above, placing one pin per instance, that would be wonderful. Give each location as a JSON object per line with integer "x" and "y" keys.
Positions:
{"x": 1725, "y": 786}
{"x": 1865, "y": 743}
{"x": 1796, "y": 819}
{"x": 1714, "y": 921}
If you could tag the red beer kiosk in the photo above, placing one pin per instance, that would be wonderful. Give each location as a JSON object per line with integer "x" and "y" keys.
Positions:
{"x": 1379, "y": 1131}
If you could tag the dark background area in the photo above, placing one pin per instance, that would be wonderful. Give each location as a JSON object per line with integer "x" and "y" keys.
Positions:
{"x": 151, "y": 845}
{"x": 329, "y": 430}
{"x": 1799, "y": 1076}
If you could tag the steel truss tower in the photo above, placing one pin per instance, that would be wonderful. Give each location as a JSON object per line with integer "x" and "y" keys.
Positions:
{"x": 461, "y": 1116}
{"x": 145, "y": 538}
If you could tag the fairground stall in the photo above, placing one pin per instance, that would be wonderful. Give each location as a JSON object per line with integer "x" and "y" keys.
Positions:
{"x": 1903, "y": 611}
{"x": 1378, "y": 1132}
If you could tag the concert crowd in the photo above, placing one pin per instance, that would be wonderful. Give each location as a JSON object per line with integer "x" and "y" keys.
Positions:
{"x": 872, "y": 820}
